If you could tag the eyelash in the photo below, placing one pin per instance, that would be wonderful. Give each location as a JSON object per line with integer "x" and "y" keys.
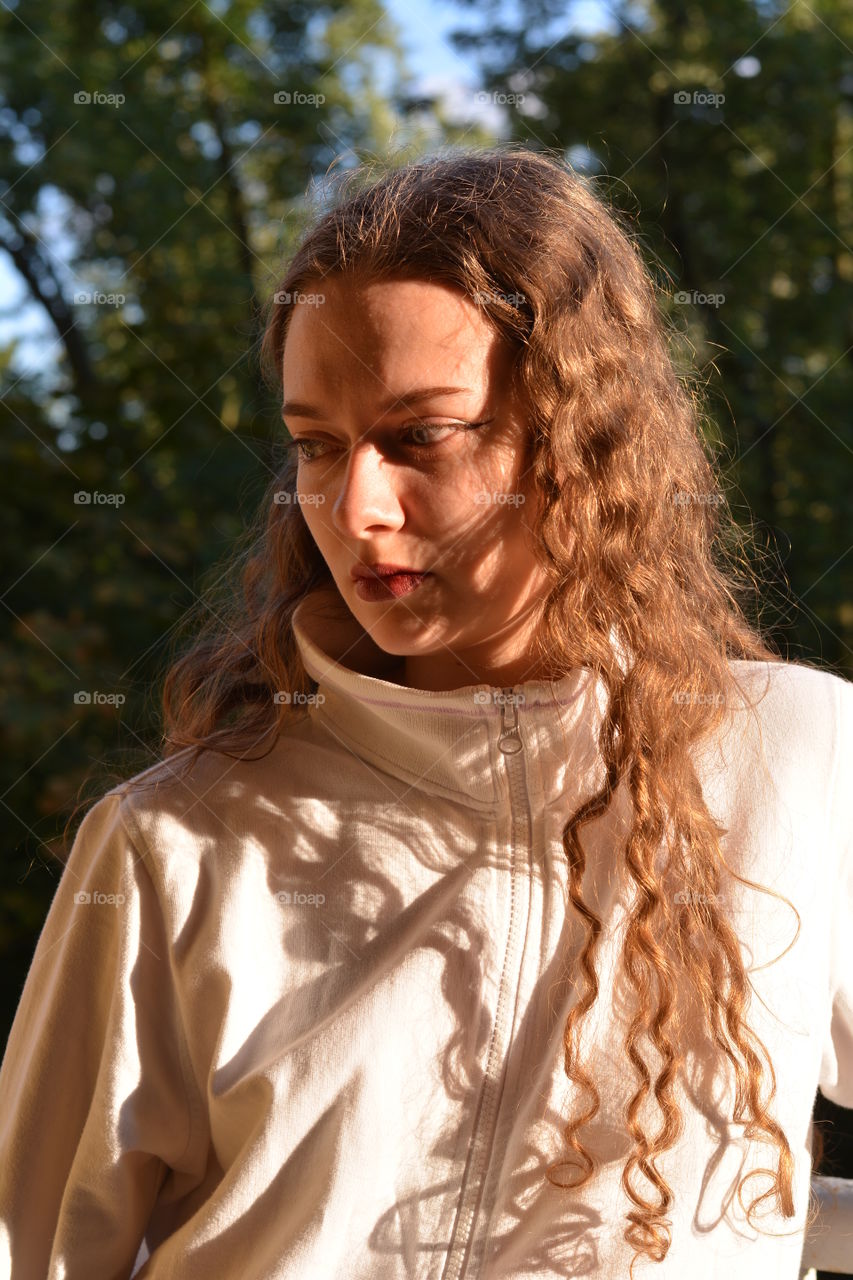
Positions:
{"x": 428, "y": 449}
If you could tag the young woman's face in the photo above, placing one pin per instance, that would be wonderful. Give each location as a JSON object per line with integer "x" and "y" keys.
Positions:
{"x": 376, "y": 484}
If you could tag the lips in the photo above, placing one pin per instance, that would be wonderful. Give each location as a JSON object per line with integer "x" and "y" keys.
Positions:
{"x": 372, "y": 572}
{"x": 377, "y": 588}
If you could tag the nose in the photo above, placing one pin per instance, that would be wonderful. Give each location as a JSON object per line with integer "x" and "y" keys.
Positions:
{"x": 368, "y": 497}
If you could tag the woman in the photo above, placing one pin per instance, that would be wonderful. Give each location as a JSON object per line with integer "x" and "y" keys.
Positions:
{"x": 429, "y": 948}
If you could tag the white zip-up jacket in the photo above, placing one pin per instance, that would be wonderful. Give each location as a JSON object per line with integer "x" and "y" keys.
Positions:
{"x": 301, "y": 1018}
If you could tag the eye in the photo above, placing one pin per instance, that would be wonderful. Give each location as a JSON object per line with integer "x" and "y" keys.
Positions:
{"x": 300, "y": 447}
{"x": 430, "y": 426}
{"x": 306, "y": 446}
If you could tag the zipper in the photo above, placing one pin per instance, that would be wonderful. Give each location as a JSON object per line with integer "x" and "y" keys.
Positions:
{"x": 459, "y": 1254}
{"x": 509, "y": 741}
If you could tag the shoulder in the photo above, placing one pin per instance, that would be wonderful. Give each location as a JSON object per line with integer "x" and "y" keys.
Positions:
{"x": 793, "y": 730}
{"x": 797, "y": 701}
{"x": 187, "y": 804}
{"x": 189, "y": 801}
{"x": 788, "y": 725}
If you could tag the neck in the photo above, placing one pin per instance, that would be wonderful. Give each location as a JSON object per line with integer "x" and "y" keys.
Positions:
{"x": 444, "y": 672}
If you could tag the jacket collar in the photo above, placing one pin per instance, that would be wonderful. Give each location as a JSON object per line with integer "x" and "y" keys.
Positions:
{"x": 444, "y": 742}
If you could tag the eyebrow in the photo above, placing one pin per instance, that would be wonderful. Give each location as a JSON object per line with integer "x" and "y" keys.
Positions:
{"x": 297, "y": 409}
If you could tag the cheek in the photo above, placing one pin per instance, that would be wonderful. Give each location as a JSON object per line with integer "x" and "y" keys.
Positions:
{"x": 310, "y": 480}
{"x": 313, "y": 506}
{"x": 502, "y": 470}
{"x": 437, "y": 506}
{"x": 511, "y": 529}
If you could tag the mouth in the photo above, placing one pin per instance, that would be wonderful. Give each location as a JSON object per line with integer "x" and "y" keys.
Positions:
{"x": 373, "y": 571}
{"x": 386, "y": 586}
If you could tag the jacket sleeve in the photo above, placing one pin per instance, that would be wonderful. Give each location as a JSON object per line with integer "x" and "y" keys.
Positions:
{"x": 93, "y": 1103}
{"x": 836, "y": 1073}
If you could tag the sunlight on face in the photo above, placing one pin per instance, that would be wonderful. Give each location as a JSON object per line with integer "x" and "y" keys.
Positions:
{"x": 408, "y": 484}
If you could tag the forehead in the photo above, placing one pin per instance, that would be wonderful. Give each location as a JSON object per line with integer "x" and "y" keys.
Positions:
{"x": 379, "y": 335}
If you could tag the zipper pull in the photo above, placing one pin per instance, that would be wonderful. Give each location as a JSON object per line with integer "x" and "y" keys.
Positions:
{"x": 509, "y": 741}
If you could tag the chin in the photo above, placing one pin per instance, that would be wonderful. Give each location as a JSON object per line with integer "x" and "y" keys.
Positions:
{"x": 389, "y": 641}
{"x": 402, "y": 641}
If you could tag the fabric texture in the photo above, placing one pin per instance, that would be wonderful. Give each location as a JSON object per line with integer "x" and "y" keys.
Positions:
{"x": 301, "y": 1017}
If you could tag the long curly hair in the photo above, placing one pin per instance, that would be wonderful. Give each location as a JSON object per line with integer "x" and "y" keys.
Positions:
{"x": 639, "y": 542}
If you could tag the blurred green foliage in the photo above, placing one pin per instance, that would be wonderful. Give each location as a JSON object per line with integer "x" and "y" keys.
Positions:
{"x": 173, "y": 210}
